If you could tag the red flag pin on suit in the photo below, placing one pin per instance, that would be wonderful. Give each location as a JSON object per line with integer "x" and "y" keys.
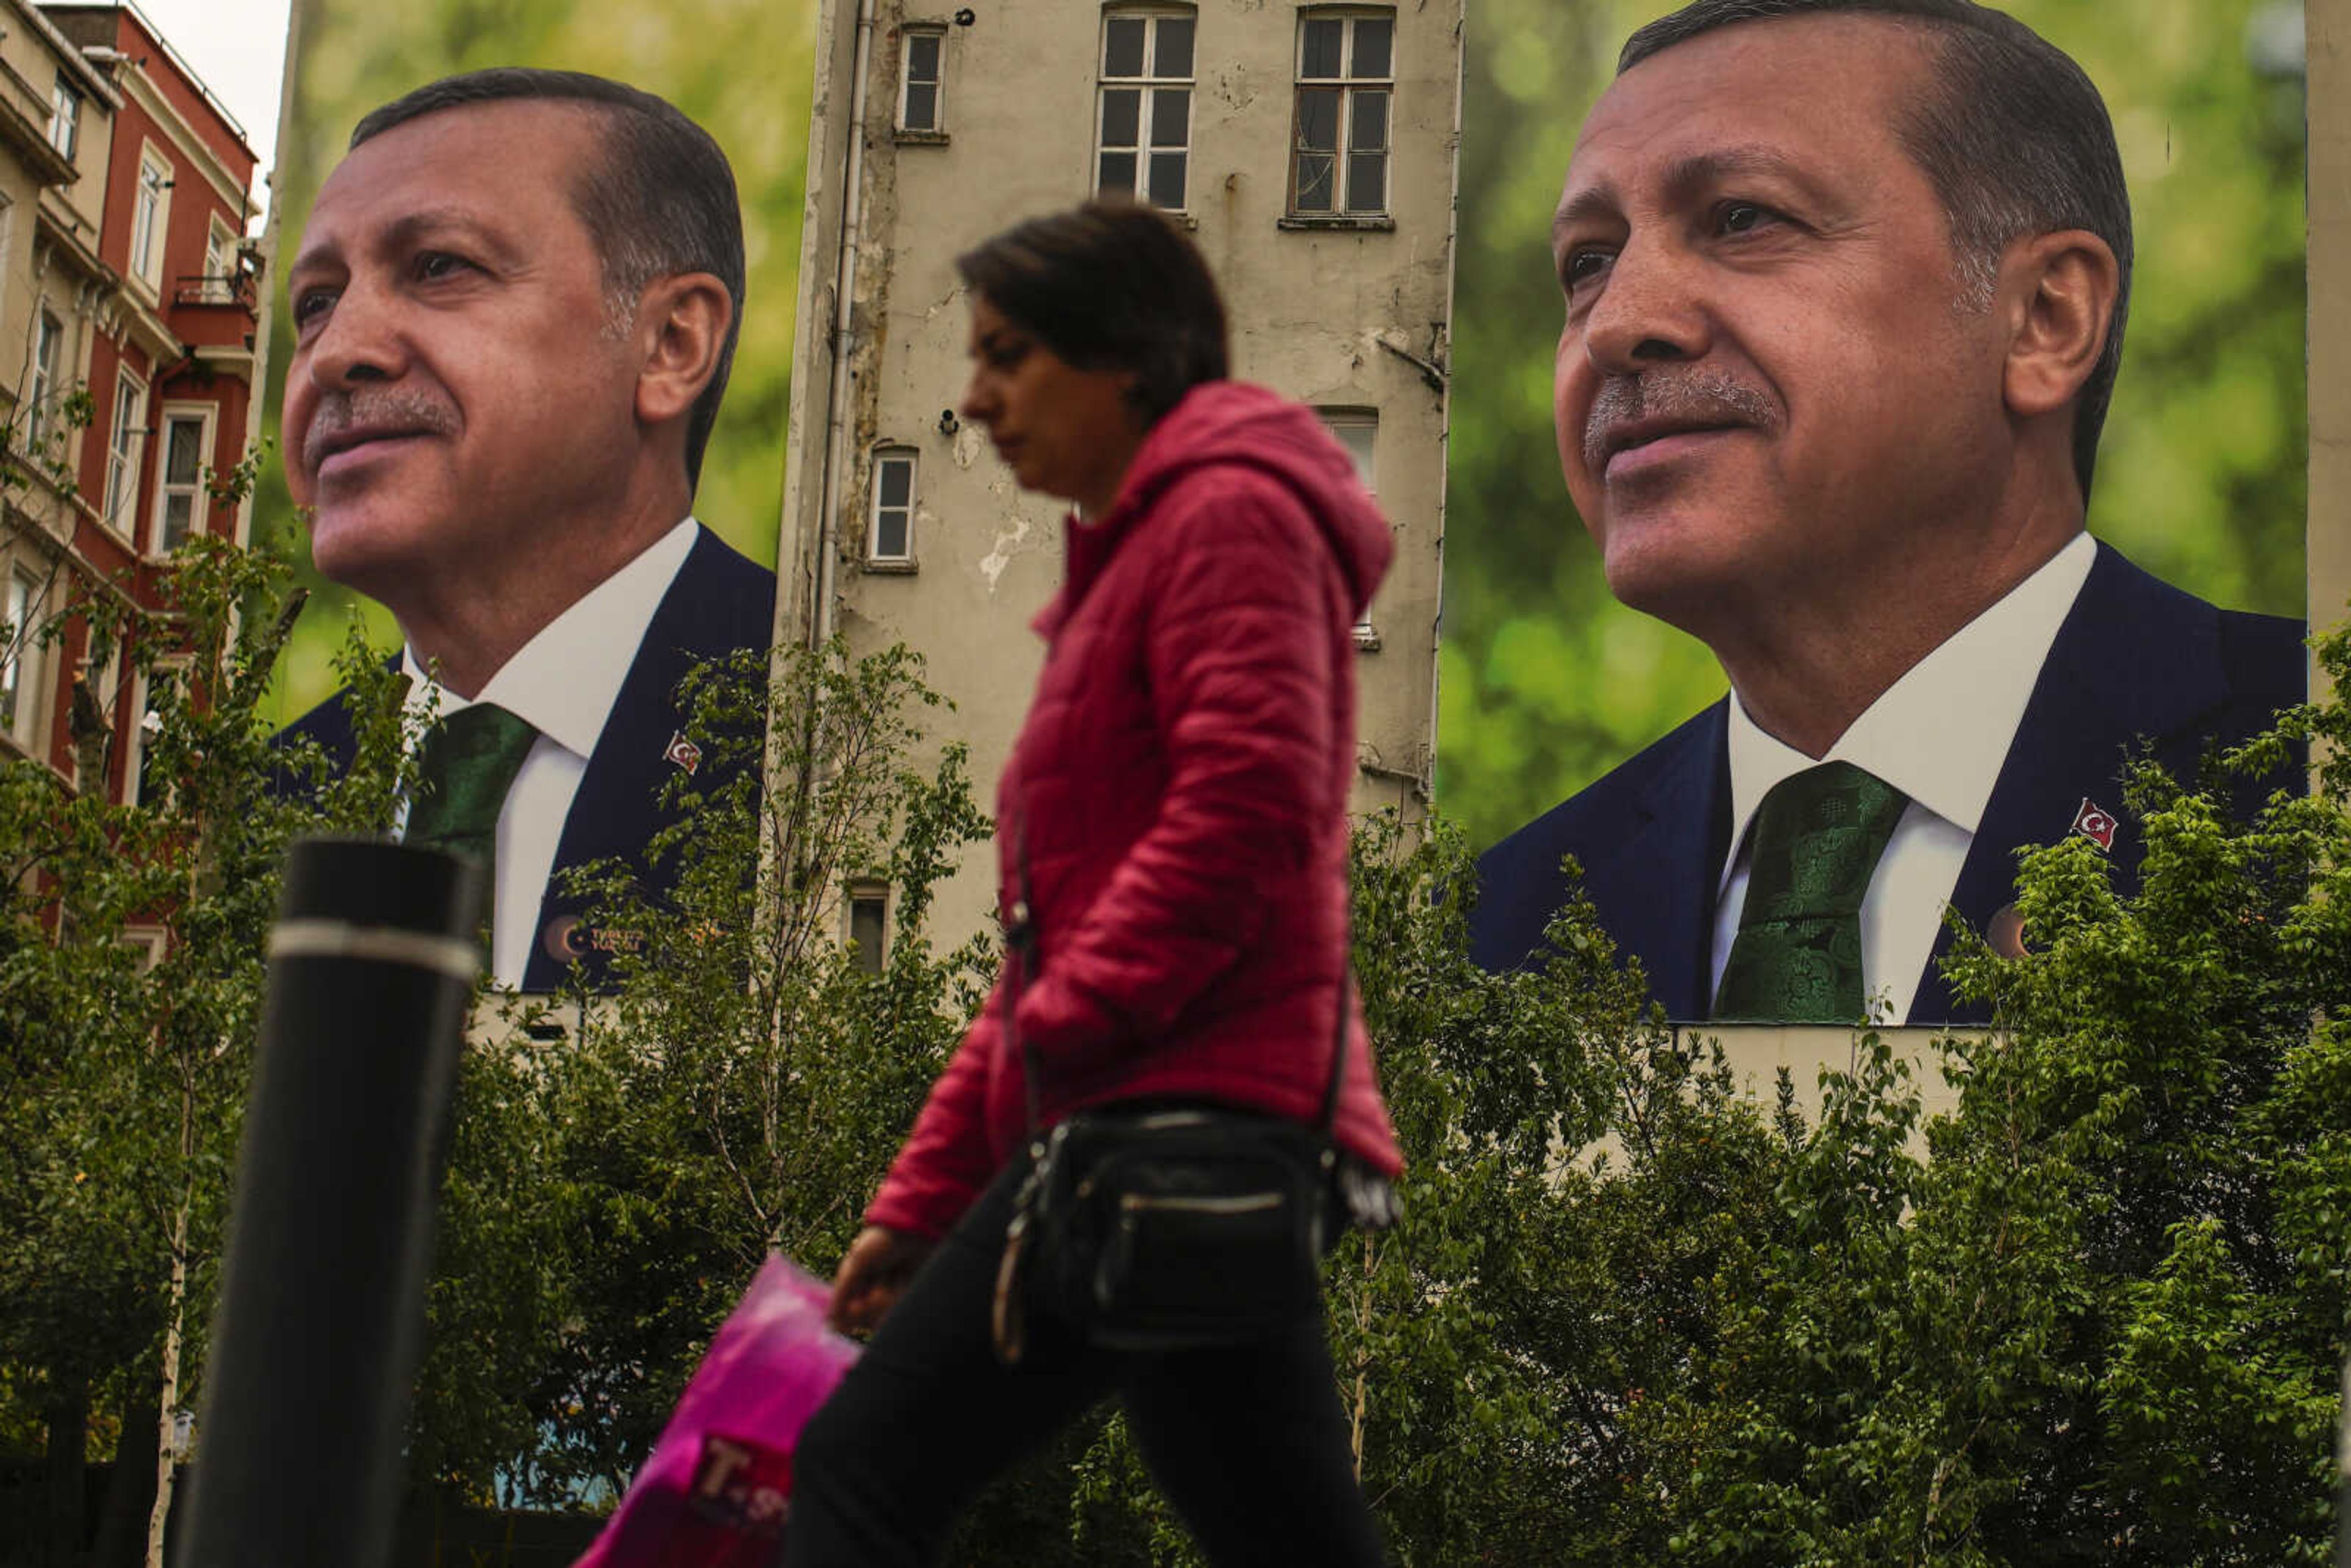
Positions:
{"x": 2097, "y": 824}
{"x": 688, "y": 756}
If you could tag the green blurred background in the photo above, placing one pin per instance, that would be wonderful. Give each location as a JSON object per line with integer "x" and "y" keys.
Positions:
{"x": 1547, "y": 682}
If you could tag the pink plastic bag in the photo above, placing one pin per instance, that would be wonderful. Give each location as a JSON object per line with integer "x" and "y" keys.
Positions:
{"x": 715, "y": 1491}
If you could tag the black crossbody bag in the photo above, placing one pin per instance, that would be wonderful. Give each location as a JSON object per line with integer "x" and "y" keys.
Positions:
{"x": 1154, "y": 1228}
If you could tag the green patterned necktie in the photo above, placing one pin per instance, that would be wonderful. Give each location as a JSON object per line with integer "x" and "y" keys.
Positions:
{"x": 1797, "y": 956}
{"x": 465, "y": 766}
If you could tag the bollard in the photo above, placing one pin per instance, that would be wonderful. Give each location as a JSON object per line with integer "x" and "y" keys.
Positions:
{"x": 371, "y": 967}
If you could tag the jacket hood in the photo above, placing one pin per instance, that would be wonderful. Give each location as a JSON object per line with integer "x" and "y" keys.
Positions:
{"x": 1223, "y": 422}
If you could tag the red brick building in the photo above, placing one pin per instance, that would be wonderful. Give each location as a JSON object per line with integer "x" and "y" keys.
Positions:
{"x": 135, "y": 283}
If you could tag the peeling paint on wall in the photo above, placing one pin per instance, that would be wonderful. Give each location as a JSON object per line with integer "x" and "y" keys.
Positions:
{"x": 1008, "y": 542}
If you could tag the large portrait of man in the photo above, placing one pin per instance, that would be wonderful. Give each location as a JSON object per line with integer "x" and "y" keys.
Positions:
{"x": 1845, "y": 285}
{"x": 528, "y": 422}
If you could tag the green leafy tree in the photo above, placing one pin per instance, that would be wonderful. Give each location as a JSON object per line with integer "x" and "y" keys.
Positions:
{"x": 743, "y": 1088}
{"x": 131, "y": 981}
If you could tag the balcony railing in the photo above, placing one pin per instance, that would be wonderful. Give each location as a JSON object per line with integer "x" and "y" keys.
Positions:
{"x": 215, "y": 288}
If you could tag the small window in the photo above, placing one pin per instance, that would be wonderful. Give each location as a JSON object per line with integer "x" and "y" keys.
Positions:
{"x": 919, "y": 106}
{"x": 869, "y": 906}
{"x": 46, "y": 336}
{"x": 180, "y": 486}
{"x": 1143, "y": 135}
{"x": 20, "y": 654}
{"x": 65, "y": 117}
{"x": 1346, "y": 76}
{"x": 150, "y": 212}
{"x": 1357, "y": 430}
{"x": 218, "y": 284}
{"x": 123, "y": 441}
{"x": 890, "y": 537}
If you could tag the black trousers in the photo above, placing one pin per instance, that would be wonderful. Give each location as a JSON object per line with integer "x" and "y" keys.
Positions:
{"x": 1249, "y": 1442}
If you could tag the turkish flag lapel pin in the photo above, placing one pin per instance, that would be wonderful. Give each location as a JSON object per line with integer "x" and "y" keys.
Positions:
{"x": 2097, "y": 824}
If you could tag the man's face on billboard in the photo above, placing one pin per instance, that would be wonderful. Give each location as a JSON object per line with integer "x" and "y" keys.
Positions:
{"x": 1767, "y": 371}
{"x": 458, "y": 399}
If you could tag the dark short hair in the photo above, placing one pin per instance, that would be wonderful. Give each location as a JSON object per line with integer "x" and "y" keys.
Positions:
{"x": 1108, "y": 285}
{"x": 2013, "y": 138}
{"x": 660, "y": 203}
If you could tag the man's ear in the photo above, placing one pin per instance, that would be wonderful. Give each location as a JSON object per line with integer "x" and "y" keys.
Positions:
{"x": 687, "y": 317}
{"x": 2063, "y": 287}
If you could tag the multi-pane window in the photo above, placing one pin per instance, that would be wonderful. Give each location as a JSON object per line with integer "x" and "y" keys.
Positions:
{"x": 122, "y": 450}
{"x": 149, "y": 211}
{"x": 1143, "y": 118}
{"x": 180, "y": 487}
{"x": 46, "y": 334}
{"x": 1346, "y": 80}
{"x": 891, "y": 533}
{"x": 19, "y": 653}
{"x": 65, "y": 117}
{"x": 918, "y": 93}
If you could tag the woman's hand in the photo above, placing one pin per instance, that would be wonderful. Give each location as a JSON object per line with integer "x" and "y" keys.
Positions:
{"x": 877, "y": 1267}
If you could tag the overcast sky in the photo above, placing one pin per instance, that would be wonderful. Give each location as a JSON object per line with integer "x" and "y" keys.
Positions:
{"x": 238, "y": 47}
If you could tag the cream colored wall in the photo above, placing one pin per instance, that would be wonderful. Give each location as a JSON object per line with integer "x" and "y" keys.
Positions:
{"x": 1309, "y": 309}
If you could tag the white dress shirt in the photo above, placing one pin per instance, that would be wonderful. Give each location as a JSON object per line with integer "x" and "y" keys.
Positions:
{"x": 1940, "y": 735}
{"x": 564, "y": 681}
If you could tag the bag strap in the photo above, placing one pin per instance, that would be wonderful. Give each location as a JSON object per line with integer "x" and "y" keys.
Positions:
{"x": 1020, "y": 943}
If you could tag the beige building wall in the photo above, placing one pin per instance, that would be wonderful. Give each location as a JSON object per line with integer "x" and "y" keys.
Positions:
{"x": 1347, "y": 314}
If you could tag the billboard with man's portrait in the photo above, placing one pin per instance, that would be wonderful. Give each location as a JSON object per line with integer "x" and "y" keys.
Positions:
{"x": 1556, "y": 693}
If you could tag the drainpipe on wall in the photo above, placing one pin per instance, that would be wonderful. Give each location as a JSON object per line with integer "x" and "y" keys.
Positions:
{"x": 836, "y": 413}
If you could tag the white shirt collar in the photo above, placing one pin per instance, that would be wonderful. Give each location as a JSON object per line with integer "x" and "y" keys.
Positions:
{"x": 1940, "y": 733}
{"x": 564, "y": 680}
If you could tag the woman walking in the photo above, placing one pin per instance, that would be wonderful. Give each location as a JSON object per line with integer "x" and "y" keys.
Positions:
{"x": 1172, "y": 839}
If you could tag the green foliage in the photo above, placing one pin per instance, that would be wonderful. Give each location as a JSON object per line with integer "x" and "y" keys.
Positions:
{"x": 131, "y": 981}
{"x": 1549, "y": 681}
{"x": 2093, "y": 1313}
{"x": 612, "y": 1192}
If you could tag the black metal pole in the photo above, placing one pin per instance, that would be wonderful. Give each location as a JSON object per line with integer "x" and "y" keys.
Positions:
{"x": 371, "y": 965}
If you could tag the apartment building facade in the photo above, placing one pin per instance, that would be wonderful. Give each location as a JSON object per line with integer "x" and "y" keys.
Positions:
{"x": 1310, "y": 149}
{"x": 130, "y": 329}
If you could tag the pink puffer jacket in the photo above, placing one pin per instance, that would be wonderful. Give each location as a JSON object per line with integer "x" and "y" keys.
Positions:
{"x": 1181, "y": 788}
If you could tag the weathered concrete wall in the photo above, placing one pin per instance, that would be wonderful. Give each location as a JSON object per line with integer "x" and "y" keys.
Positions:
{"x": 1348, "y": 315}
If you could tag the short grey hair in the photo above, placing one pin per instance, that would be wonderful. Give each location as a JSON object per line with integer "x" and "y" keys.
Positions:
{"x": 2014, "y": 138}
{"x": 661, "y": 202}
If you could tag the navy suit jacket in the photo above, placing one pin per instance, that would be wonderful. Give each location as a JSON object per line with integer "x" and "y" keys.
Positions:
{"x": 2136, "y": 658}
{"x": 719, "y": 601}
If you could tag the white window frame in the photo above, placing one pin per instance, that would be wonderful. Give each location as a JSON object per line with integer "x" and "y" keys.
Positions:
{"x": 936, "y": 35}
{"x": 1356, "y": 93}
{"x": 125, "y": 441}
{"x": 167, "y": 489}
{"x": 1341, "y": 422}
{"x": 219, "y": 284}
{"x": 885, "y": 458}
{"x": 48, "y": 333}
{"x": 20, "y": 656}
{"x": 1155, "y": 92}
{"x": 150, "y": 218}
{"x": 65, "y": 117}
